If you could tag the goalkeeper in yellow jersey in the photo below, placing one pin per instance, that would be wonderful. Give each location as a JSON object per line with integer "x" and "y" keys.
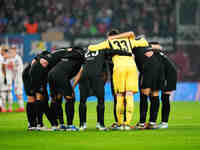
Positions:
{"x": 125, "y": 75}
{"x": 151, "y": 79}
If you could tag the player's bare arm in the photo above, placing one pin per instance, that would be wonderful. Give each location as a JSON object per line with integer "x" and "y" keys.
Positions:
{"x": 77, "y": 78}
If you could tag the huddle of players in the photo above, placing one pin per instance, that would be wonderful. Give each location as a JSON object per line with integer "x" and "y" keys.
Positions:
{"x": 11, "y": 67}
{"x": 59, "y": 67}
{"x": 157, "y": 73}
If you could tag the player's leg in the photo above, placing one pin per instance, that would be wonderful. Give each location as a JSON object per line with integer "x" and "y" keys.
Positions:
{"x": 84, "y": 90}
{"x": 98, "y": 87}
{"x": 4, "y": 98}
{"x": 56, "y": 112}
{"x": 114, "y": 103}
{"x": 131, "y": 87}
{"x": 46, "y": 108}
{"x": 119, "y": 78}
{"x": 54, "y": 94}
{"x": 1, "y": 83}
{"x": 10, "y": 101}
{"x": 39, "y": 109}
{"x": 9, "y": 78}
{"x": 82, "y": 106}
{"x": 38, "y": 84}
{"x": 31, "y": 112}
{"x": 64, "y": 87}
{"x": 60, "y": 110}
{"x": 54, "y": 109}
{"x": 82, "y": 113}
{"x": 144, "y": 93}
{"x": 129, "y": 109}
{"x": 4, "y": 89}
{"x": 30, "y": 106}
{"x": 120, "y": 108}
{"x": 1, "y": 103}
{"x": 69, "y": 105}
{"x": 170, "y": 85}
{"x": 37, "y": 76}
{"x": 154, "y": 108}
{"x": 115, "y": 107}
{"x": 19, "y": 91}
{"x": 157, "y": 84}
{"x": 114, "y": 96}
{"x": 145, "y": 84}
{"x": 165, "y": 97}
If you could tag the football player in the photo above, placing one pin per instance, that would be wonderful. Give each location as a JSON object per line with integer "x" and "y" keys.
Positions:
{"x": 8, "y": 76}
{"x": 94, "y": 75}
{"x": 170, "y": 81}
{"x": 17, "y": 77}
{"x": 150, "y": 80}
{"x": 60, "y": 75}
{"x": 125, "y": 76}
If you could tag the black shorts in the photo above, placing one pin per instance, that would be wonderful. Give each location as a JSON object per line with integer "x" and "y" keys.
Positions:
{"x": 152, "y": 75}
{"x": 38, "y": 77}
{"x": 91, "y": 85}
{"x": 27, "y": 80}
{"x": 59, "y": 77}
{"x": 170, "y": 77}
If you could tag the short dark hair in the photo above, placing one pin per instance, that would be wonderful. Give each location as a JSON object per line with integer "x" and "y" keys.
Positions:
{"x": 5, "y": 50}
{"x": 112, "y": 32}
{"x": 154, "y": 42}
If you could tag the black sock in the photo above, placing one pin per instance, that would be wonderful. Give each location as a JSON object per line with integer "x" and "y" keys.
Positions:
{"x": 48, "y": 113}
{"x": 143, "y": 107}
{"x": 39, "y": 112}
{"x": 165, "y": 107}
{"x": 154, "y": 108}
{"x": 35, "y": 113}
{"x": 82, "y": 112}
{"x": 30, "y": 112}
{"x": 69, "y": 109}
{"x": 60, "y": 112}
{"x": 100, "y": 112}
{"x": 115, "y": 109}
{"x": 125, "y": 111}
{"x": 54, "y": 112}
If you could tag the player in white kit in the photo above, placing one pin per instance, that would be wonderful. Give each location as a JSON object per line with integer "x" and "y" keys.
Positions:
{"x": 1, "y": 78}
{"x": 17, "y": 77}
{"x": 6, "y": 85}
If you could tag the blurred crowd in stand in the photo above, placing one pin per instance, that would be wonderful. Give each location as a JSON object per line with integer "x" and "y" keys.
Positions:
{"x": 95, "y": 17}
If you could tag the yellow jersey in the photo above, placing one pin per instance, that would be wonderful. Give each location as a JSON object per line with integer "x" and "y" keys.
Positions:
{"x": 126, "y": 44}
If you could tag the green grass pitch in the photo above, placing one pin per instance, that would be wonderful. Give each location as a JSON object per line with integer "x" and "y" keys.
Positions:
{"x": 183, "y": 132}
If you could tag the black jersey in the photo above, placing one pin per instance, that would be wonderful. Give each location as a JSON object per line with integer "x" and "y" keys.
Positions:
{"x": 165, "y": 59}
{"x": 54, "y": 57}
{"x": 139, "y": 53}
{"x": 95, "y": 60}
{"x": 140, "y": 57}
{"x": 41, "y": 55}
